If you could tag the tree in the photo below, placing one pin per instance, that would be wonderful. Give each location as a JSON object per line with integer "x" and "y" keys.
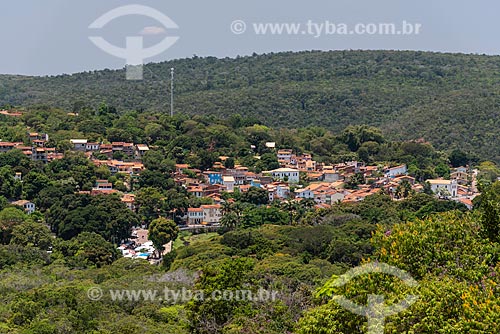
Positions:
{"x": 88, "y": 249}
{"x": 292, "y": 208}
{"x": 32, "y": 234}
{"x": 458, "y": 158}
{"x": 230, "y": 220}
{"x": 231, "y": 214}
{"x": 490, "y": 212}
{"x": 443, "y": 193}
{"x": 355, "y": 180}
{"x": 403, "y": 190}
{"x": 106, "y": 215}
{"x": 229, "y": 163}
{"x": 9, "y": 218}
{"x": 427, "y": 189}
{"x": 268, "y": 161}
{"x": 14, "y": 158}
{"x": 209, "y": 315}
{"x": 161, "y": 232}
{"x": 150, "y": 202}
{"x": 33, "y": 183}
{"x": 255, "y": 195}
{"x": 488, "y": 172}
{"x": 442, "y": 170}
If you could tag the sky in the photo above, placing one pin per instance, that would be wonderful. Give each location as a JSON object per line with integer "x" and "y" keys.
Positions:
{"x": 50, "y": 37}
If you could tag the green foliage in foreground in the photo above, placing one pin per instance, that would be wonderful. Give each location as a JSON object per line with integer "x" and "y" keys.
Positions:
{"x": 447, "y": 251}
{"x": 457, "y": 272}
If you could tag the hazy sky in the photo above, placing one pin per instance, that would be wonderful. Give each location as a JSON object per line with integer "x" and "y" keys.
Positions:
{"x": 40, "y": 37}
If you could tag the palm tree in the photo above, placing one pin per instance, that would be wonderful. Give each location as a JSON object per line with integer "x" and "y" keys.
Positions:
{"x": 230, "y": 220}
{"x": 231, "y": 214}
{"x": 291, "y": 207}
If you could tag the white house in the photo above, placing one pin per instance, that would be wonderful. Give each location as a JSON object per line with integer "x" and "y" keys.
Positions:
{"x": 290, "y": 174}
{"x": 270, "y": 144}
{"x": 211, "y": 213}
{"x": 444, "y": 187}
{"x": 195, "y": 216}
{"x": 396, "y": 171}
{"x": 28, "y": 206}
{"x": 92, "y": 146}
{"x": 334, "y": 197}
{"x": 304, "y": 193}
{"x": 282, "y": 191}
{"x": 229, "y": 182}
{"x": 79, "y": 144}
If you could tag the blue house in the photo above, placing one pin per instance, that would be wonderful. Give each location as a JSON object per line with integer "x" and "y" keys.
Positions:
{"x": 214, "y": 177}
{"x": 256, "y": 183}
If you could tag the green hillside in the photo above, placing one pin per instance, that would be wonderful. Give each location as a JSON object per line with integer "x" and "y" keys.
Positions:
{"x": 451, "y": 100}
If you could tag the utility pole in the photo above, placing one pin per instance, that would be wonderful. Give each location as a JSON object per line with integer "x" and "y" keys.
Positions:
{"x": 172, "y": 92}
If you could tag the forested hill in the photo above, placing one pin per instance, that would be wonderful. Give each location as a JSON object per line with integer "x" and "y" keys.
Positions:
{"x": 452, "y": 100}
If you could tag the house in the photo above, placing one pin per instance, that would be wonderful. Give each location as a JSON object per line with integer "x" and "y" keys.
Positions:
{"x": 195, "y": 190}
{"x": 18, "y": 176}
{"x": 7, "y": 146}
{"x": 116, "y": 166}
{"x": 195, "y": 216}
{"x": 304, "y": 193}
{"x": 79, "y": 144}
{"x": 333, "y": 196}
{"x": 210, "y": 189}
{"x": 400, "y": 179}
{"x": 92, "y": 146}
{"x": 35, "y": 136}
{"x": 41, "y": 153}
{"x": 461, "y": 177}
{"x": 211, "y": 213}
{"x": 140, "y": 150}
{"x": 213, "y": 177}
{"x": 239, "y": 174}
{"x": 284, "y": 156}
{"x": 270, "y": 144}
{"x": 321, "y": 192}
{"x": 395, "y": 171}
{"x": 229, "y": 182}
{"x": 444, "y": 188}
{"x": 285, "y": 174}
{"x": 330, "y": 176}
{"x": 250, "y": 177}
{"x": 103, "y": 185}
{"x": 278, "y": 190}
{"x": 179, "y": 168}
{"x": 467, "y": 202}
{"x": 28, "y": 206}
{"x": 310, "y": 165}
{"x": 282, "y": 190}
{"x": 129, "y": 201}
{"x": 11, "y": 113}
{"x": 256, "y": 183}
{"x": 314, "y": 176}
{"x": 126, "y": 148}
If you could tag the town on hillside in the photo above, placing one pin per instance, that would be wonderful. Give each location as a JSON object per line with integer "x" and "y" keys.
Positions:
{"x": 298, "y": 178}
